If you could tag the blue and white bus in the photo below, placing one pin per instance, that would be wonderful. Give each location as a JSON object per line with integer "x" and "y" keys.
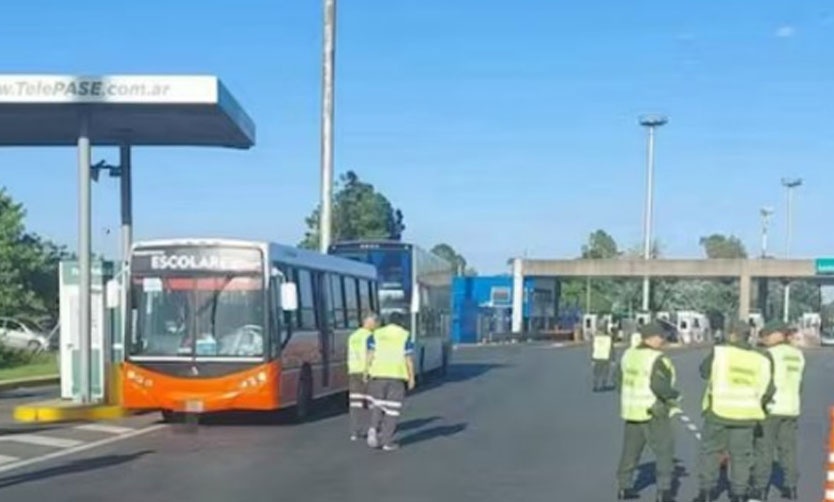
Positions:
{"x": 417, "y": 283}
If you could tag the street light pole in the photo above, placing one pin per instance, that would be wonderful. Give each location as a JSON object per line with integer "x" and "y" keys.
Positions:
{"x": 650, "y": 122}
{"x": 328, "y": 63}
{"x": 789, "y": 184}
{"x": 765, "y": 212}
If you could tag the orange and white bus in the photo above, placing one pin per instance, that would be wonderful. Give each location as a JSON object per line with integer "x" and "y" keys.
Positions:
{"x": 221, "y": 325}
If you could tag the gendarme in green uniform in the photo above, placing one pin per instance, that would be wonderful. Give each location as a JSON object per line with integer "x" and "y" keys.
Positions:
{"x": 739, "y": 384}
{"x": 648, "y": 399}
{"x": 601, "y": 357}
{"x": 779, "y": 429}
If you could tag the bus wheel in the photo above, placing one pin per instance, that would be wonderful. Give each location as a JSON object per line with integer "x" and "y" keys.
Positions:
{"x": 304, "y": 395}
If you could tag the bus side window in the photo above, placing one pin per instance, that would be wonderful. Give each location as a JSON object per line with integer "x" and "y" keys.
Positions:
{"x": 365, "y": 304}
{"x": 306, "y": 305}
{"x": 351, "y": 303}
{"x": 338, "y": 301}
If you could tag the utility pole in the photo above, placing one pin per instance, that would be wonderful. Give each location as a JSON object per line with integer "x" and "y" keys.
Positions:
{"x": 790, "y": 184}
{"x": 327, "y": 98}
{"x": 650, "y": 122}
{"x": 766, "y": 213}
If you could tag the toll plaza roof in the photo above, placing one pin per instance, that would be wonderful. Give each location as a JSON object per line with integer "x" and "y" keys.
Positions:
{"x": 143, "y": 110}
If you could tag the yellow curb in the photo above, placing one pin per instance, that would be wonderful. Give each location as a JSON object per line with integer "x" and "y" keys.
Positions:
{"x": 63, "y": 411}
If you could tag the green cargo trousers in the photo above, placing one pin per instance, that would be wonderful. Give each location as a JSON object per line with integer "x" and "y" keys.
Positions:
{"x": 778, "y": 435}
{"x": 601, "y": 370}
{"x": 717, "y": 438}
{"x": 657, "y": 432}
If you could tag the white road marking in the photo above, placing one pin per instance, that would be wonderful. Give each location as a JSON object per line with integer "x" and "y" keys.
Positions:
{"x": 41, "y": 440}
{"x": 80, "y": 448}
{"x": 698, "y": 436}
{"x": 110, "y": 429}
{"x": 5, "y": 459}
{"x": 692, "y": 427}
{"x": 685, "y": 418}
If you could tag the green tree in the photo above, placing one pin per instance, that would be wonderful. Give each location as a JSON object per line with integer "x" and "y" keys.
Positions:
{"x": 723, "y": 246}
{"x": 359, "y": 212}
{"x": 28, "y": 266}
{"x": 457, "y": 260}
{"x": 600, "y": 245}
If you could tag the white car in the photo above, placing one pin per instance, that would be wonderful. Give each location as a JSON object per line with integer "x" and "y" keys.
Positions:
{"x": 827, "y": 339}
{"x": 20, "y": 335}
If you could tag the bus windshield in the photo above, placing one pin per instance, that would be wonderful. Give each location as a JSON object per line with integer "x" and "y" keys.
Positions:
{"x": 207, "y": 315}
{"x": 394, "y": 274}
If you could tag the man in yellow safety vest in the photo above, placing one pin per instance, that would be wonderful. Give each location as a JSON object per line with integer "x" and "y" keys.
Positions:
{"x": 739, "y": 385}
{"x": 648, "y": 399}
{"x": 780, "y": 427}
{"x": 601, "y": 356}
{"x": 358, "y": 376}
{"x": 390, "y": 368}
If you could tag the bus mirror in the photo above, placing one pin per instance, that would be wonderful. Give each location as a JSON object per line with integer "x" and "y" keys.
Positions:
{"x": 289, "y": 296}
{"x": 274, "y": 272}
{"x": 113, "y": 294}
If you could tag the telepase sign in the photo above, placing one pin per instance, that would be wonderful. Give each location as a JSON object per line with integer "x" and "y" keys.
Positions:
{"x": 108, "y": 89}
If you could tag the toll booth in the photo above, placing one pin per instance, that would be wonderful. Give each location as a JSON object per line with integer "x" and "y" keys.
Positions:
{"x": 809, "y": 329}
{"x": 106, "y": 345}
{"x": 643, "y": 318}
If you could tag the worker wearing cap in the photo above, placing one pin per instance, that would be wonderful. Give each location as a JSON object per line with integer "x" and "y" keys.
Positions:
{"x": 780, "y": 427}
{"x": 739, "y": 385}
{"x": 601, "y": 357}
{"x": 648, "y": 399}
{"x": 358, "y": 397}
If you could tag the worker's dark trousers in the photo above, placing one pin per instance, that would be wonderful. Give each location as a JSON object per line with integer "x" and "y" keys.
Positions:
{"x": 601, "y": 370}
{"x": 737, "y": 441}
{"x": 388, "y": 395}
{"x": 777, "y": 434}
{"x": 360, "y": 404}
{"x": 658, "y": 433}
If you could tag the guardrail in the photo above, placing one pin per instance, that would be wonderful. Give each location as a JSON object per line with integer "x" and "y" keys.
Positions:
{"x": 39, "y": 381}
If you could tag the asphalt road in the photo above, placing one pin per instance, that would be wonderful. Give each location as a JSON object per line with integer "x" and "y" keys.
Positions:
{"x": 510, "y": 423}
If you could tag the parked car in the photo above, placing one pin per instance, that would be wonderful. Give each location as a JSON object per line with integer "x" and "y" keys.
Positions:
{"x": 827, "y": 338}
{"x": 21, "y": 335}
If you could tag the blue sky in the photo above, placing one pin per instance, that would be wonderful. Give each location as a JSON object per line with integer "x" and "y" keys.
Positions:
{"x": 499, "y": 127}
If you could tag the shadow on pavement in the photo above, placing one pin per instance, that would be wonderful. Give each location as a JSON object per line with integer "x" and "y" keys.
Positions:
{"x": 416, "y": 423}
{"x": 646, "y": 476}
{"x": 324, "y": 408}
{"x": 74, "y": 467}
{"x": 432, "y": 433}
{"x": 30, "y": 428}
{"x": 457, "y": 372}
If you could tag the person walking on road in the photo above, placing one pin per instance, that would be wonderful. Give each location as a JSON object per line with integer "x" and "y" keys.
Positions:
{"x": 739, "y": 385}
{"x": 390, "y": 368}
{"x": 779, "y": 429}
{"x": 358, "y": 377}
{"x": 648, "y": 400}
{"x": 601, "y": 357}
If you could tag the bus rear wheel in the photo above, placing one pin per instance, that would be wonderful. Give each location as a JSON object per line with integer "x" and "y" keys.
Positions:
{"x": 304, "y": 395}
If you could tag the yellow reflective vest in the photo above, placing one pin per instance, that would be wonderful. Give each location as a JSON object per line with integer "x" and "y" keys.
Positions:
{"x": 602, "y": 348}
{"x": 389, "y": 353}
{"x": 636, "y": 396}
{"x": 788, "y": 369}
{"x": 358, "y": 351}
{"x": 739, "y": 379}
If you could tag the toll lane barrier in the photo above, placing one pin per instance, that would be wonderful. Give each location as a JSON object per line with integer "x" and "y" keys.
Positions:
{"x": 67, "y": 411}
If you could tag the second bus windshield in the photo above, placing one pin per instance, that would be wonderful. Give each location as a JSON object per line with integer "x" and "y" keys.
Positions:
{"x": 394, "y": 274}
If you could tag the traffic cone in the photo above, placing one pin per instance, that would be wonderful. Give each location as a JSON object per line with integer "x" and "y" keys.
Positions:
{"x": 829, "y": 475}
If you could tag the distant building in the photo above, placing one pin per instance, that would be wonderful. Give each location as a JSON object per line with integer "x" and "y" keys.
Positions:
{"x": 482, "y": 307}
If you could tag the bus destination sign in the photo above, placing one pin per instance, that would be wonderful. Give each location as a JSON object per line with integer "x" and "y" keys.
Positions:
{"x": 196, "y": 259}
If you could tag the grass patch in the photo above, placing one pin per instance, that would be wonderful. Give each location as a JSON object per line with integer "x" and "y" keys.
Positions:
{"x": 40, "y": 365}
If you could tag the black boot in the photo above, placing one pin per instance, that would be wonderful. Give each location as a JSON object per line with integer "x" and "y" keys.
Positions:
{"x": 628, "y": 494}
{"x": 665, "y": 496}
{"x": 703, "y": 496}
